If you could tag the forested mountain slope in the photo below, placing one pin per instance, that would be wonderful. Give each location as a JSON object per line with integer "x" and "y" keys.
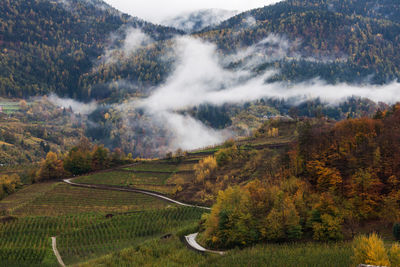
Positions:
{"x": 384, "y": 9}
{"x": 344, "y": 38}
{"x": 46, "y": 46}
{"x": 336, "y": 41}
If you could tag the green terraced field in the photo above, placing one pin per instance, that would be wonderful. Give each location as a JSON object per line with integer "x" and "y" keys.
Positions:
{"x": 64, "y": 199}
{"x": 9, "y": 107}
{"x": 108, "y": 235}
{"x": 171, "y": 252}
{"x": 153, "y": 167}
{"x": 124, "y": 178}
{"x": 77, "y": 217}
{"x": 161, "y": 176}
{"x": 186, "y": 167}
{"x": 149, "y": 178}
{"x": 24, "y": 196}
{"x": 25, "y": 240}
{"x": 110, "y": 178}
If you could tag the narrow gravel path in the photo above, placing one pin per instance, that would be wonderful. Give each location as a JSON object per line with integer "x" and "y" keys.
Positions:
{"x": 149, "y": 193}
{"x": 58, "y": 256}
{"x": 191, "y": 240}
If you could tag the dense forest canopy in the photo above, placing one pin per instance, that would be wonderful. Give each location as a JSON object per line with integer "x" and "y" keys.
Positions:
{"x": 49, "y": 46}
{"x": 335, "y": 179}
{"x": 356, "y": 44}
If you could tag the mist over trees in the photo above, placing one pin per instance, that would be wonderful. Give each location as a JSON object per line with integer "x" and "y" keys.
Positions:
{"x": 40, "y": 56}
{"x": 49, "y": 46}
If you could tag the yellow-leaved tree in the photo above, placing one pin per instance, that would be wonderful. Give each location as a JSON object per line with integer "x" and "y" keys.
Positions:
{"x": 204, "y": 171}
{"x": 370, "y": 250}
{"x": 8, "y": 184}
{"x": 51, "y": 168}
{"x": 394, "y": 255}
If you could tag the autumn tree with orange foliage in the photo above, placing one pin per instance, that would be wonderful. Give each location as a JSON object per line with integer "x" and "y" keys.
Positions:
{"x": 51, "y": 168}
{"x": 338, "y": 177}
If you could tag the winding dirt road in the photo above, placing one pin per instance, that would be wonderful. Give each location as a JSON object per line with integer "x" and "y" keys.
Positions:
{"x": 190, "y": 239}
{"x": 149, "y": 193}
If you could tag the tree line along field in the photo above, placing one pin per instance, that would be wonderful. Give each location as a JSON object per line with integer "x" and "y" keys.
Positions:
{"x": 77, "y": 217}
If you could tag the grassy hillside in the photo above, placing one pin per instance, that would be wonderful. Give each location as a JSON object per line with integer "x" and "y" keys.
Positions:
{"x": 172, "y": 252}
{"x": 176, "y": 176}
{"x": 77, "y": 217}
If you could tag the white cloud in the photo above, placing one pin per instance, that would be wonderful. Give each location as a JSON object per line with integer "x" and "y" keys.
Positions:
{"x": 189, "y": 133}
{"x": 158, "y": 10}
{"x": 200, "y": 78}
{"x": 77, "y": 107}
{"x": 250, "y": 21}
{"x": 134, "y": 40}
{"x": 194, "y": 21}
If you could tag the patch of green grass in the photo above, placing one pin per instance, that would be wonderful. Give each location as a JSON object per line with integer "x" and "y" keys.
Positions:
{"x": 170, "y": 252}
{"x": 186, "y": 167}
{"x": 206, "y": 150}
{"x": 162, "y": 189}
{"x": 177, "y": 178}
{"x": 309, "y": 254}
{"x": 174, "y": 253}
{"x": 153, "y": 167}
{"x": 270, "y": 141}
{"x": 150, "y": 178}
